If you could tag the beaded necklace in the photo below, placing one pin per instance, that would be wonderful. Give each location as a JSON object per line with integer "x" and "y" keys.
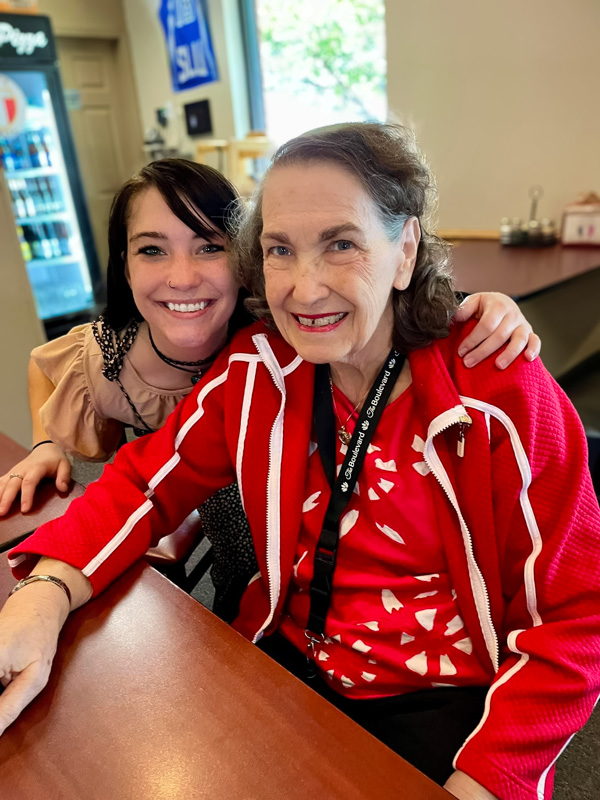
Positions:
{"x": 114, "y": 348}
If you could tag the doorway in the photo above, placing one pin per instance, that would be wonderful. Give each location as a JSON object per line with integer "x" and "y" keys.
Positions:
{"x": 101, "y": 124}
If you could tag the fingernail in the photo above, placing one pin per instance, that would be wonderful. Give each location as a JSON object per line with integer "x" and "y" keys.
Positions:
{"x": 469, "y": 361}
{"x": 462, "y": 351}
{"x": 530, "y": 355}
{"x": 501, "y": 363}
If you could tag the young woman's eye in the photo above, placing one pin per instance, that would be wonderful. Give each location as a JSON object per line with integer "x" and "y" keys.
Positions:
{"x": 342, "y": 245}
{"x": 212, "y": 248}
{"x": 278, "y": 250}
{"x": 151, "y": 250}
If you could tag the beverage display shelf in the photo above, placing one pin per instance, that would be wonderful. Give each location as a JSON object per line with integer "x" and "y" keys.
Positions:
{"x": 53, "y": 216}
{"x": 31, "y": 172}
{"x": 51, "y": 262}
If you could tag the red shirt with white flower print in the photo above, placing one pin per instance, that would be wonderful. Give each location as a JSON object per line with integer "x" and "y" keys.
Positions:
{"x": 393, "y": 625}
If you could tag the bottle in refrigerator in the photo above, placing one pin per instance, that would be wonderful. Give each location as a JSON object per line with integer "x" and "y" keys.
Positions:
{"x": 62, "y": 234}
{"x": 42, "y": 150}
{"x": 36, "y": 197}
{"x": 50, "y": 234}
{"x": 34, "y": 242}
{"x": 47, "y": 146}
{"x": 29, "y": 204}
{"x": 19, "y": 207}
{"x": 45, "y": 245}
{"x": 51, "y": 195}
{"x": 8, "y": 162}
{"x": 19, "y": 156}
{"x": 45, "y": 196}
{"x": 34, "y": 157}
{"x": 25, "y": 247}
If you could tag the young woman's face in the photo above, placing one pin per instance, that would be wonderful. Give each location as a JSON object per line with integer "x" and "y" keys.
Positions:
{"x": 181, "y": 283}
{"x": 329, "y": 265}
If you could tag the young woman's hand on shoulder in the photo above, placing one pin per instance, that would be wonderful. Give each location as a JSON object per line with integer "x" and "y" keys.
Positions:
{"x": 46, "y": 461}
{"x": 500, "y": 322}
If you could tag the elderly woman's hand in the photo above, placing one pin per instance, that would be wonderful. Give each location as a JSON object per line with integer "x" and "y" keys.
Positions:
{"x": 29, "y": 626}
{"x": 500, "y": 321}
{"x": 46, "y": 461}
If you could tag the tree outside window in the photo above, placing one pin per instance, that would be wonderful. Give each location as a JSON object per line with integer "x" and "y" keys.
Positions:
{"x": 323, "y": 61}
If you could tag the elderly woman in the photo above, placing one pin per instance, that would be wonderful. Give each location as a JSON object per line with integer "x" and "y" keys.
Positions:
{"x": 427, "y": 535}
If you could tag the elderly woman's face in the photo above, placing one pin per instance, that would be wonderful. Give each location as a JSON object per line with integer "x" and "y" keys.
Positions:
{"x": 329, "y": 265}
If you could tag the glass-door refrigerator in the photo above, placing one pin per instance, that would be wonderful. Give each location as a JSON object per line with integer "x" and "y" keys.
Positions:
{"x": 40, "y": 168}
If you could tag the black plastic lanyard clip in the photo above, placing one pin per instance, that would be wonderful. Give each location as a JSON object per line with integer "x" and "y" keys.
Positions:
{"x": 311, "y": 652}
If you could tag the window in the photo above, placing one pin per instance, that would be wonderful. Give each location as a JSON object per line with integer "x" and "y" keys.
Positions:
{"x": 322, "y": 62}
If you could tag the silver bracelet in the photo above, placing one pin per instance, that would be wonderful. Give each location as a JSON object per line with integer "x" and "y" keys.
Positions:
{"x": 48, "y": 578}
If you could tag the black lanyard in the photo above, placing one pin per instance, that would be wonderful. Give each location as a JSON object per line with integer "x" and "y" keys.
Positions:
{"x": 342, "y": 488}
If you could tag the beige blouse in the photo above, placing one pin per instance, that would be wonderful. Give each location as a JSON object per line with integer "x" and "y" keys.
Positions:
{"x": 86, "y": 413}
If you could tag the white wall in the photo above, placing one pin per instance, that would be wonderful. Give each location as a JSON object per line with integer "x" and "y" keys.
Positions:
{"x": 227, "y": 96}
{"x": 94, "y": 18}
{"x": 503, "y": 96}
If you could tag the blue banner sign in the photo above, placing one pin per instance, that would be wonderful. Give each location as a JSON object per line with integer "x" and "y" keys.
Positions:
{"x": 188, "y": 42}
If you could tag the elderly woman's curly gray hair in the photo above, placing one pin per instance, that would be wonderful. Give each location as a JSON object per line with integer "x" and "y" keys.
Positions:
{"x": 386, "y": 160}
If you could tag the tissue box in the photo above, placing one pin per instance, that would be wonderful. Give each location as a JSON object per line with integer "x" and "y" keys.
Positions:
{"x": 581, "y": 221}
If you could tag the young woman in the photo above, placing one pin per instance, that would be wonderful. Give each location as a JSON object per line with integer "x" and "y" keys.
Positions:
{"x": 173, "y": 303}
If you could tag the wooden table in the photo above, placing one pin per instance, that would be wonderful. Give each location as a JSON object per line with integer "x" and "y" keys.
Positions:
{"x": 48, "y": 504}
{"x": 487, "y": 266}
{"x": 154, "y": 697}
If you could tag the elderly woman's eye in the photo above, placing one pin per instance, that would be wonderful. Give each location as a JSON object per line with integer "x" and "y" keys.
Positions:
{"x": 342, "y": 244}
{"x": 278, "y": 250}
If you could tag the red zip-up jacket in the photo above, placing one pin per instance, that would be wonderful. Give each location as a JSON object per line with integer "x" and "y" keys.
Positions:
{"x": 517, "y": 514}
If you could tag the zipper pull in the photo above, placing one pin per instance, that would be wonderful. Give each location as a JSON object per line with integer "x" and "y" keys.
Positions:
{"x": 460, "y": 446}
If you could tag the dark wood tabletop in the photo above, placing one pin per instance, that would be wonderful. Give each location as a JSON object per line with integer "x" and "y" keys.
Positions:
{"x": 48, "y": 504}
{"x": 487, "y": 266}
{"x": 153, "y": 696}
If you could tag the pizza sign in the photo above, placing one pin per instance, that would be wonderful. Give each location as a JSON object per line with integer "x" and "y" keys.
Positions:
{"x": 13, "y": 105}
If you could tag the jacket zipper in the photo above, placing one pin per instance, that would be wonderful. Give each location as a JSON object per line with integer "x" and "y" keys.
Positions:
{"x": 463, "y": 420}
{"x": 460, "y": 445}
{"x": 273, "y": 598}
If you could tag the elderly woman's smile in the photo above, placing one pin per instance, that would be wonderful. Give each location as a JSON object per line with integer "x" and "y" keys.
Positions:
{"x": 330, "y": 266}
{"x": 320, "y": 322}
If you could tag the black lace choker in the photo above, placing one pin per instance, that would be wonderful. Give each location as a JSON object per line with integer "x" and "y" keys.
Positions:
{"x": 194, "y": 368}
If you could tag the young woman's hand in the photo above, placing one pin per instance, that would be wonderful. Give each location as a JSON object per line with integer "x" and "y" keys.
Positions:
{"x": 465, "y": 788}
{"x": 500, "y": 322}
{"x": 46, "y": 461}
